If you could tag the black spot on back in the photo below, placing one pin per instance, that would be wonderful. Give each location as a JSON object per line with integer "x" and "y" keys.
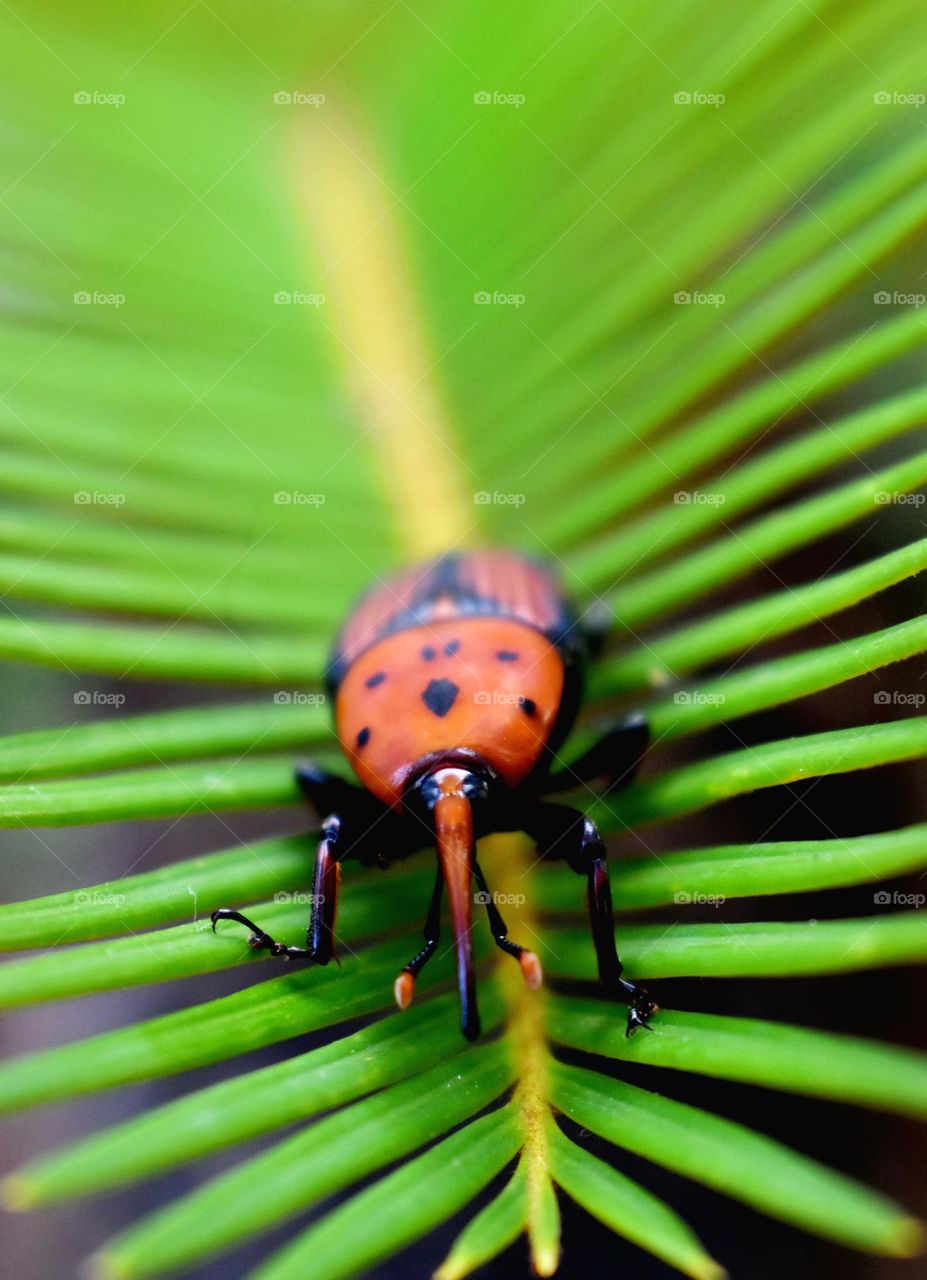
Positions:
{"x": 440, "y": 696}
{"x": 451, "y": 648}
{"x": 528, "y": 705}
{"x": 507, "y": 655}
{"x": 377, "y": 678}
{"x": 363, "y": 737}
{"x": 428, "y": 653}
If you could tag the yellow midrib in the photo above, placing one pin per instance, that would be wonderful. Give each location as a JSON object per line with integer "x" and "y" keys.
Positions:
{"x": 380, "y": 345}
{"x": 383, "y": 355}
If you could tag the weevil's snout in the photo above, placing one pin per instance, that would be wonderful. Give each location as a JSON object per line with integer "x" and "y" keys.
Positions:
{"x": 445, "y": 794}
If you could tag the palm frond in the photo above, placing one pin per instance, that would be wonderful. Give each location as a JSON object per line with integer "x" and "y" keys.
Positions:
{"x": 294, "y": 296}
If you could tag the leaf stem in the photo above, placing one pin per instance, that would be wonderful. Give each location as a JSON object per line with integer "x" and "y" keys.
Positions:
{"x": 527, "y": 1041}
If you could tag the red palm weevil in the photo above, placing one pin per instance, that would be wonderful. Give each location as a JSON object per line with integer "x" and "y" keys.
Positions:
{"x": 454, "y": 685}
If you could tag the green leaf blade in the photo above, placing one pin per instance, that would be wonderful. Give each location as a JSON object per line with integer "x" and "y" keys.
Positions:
{"x": 743, "y": 1164}
{"x": 774, "y": 1055}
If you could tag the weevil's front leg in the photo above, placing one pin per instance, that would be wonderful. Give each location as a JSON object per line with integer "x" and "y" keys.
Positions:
{"x": 370, "y": 833}
{"x": 327, "y": 792}
{"x": 616, "y": 757}
{"x": 320, "y": 936}
{"x": 561, "y": 832}
{"x": 528, "y": 960}
{"x": 404, "y": 986}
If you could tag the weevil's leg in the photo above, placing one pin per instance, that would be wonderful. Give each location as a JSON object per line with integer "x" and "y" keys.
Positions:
{"x": 371, "y": 833}
{"x": 561, "y": 832}
{"x": 616, "y": 756}
{"x": 597, "y": 623}
{"x": 404, "y": 987}
{"x": 320, "y": 935}
{"x": 528, "y": 960}
{"x": 327, "y": 793}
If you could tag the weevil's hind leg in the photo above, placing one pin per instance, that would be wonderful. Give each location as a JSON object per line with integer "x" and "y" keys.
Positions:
{"x": 404, "y": 987}
{"x": 598, "y": 621}
{"x": 561, "y": 832}
{"x": 528, "y": 960}
{"x": 616, "y": 757}
{"x": 320, "y": 936}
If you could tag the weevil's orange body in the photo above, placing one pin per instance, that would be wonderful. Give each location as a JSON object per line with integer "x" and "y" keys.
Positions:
{"x": 469, "y": 654}
{"x": 454, "y": 685}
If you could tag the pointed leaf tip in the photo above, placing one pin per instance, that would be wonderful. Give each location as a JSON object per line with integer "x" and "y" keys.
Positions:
{"x": 17, "y": 1193}
{"x": 908, "y": 1239}
{"x": 103, "y": 1266}
{"x": 544, "y": 1262}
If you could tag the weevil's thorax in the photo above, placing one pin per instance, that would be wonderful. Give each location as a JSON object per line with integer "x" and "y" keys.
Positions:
{"x": 464, "y": 660}
{"x": 443, "y": 691}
